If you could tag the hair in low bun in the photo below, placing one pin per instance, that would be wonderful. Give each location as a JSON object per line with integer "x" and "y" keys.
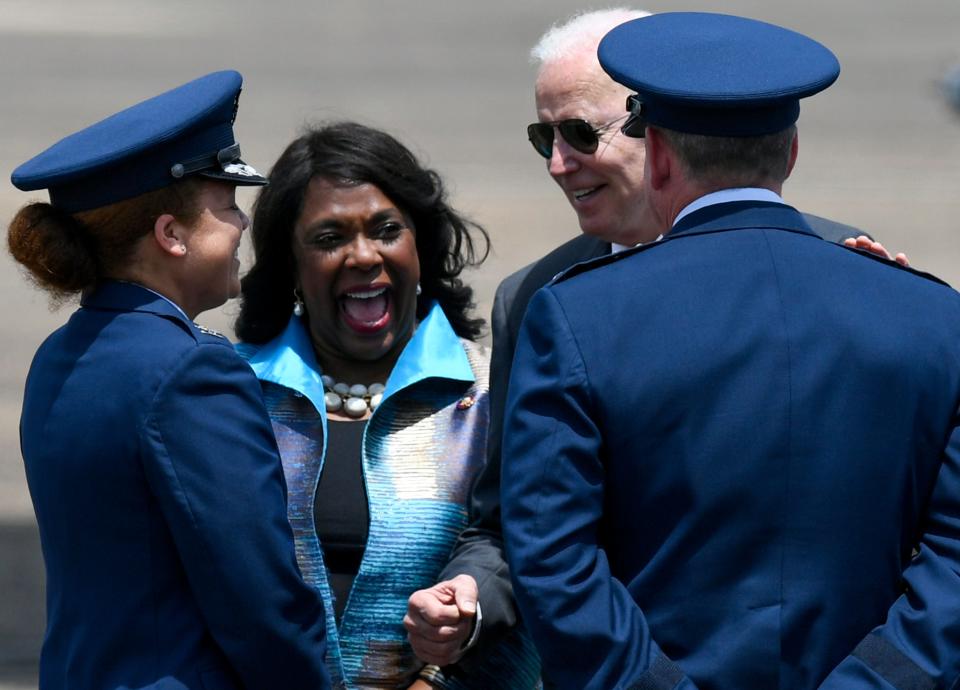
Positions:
{"x": 66, "y": 254}
{"x": 55, "y": 248}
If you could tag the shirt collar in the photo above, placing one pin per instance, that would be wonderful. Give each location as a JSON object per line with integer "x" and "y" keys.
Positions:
{"x": 725, "y": 195}
{"x": 616, "y": 248}
{"x": 434, "y": 351}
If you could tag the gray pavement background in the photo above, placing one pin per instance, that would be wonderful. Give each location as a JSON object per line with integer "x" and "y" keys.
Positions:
{"x": 879, "y": 150}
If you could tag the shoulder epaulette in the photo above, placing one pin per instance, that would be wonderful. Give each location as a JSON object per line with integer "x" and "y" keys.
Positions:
{"x": 889, "y": 262}
{"x": 605, "y": 260}
{"x": 210, "y": 331}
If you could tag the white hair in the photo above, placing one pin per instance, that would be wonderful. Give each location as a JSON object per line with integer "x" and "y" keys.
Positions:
{"x": 581, "y": 29}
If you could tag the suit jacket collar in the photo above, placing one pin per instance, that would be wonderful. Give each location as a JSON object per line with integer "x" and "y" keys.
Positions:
{"x": 579, "y": 249}
{"x": 589, "y": 247}
{"x": 735, "y": 215}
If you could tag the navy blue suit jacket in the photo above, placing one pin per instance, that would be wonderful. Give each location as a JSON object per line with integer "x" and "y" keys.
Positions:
{"x": 739, "y": 467}
{"x": 160, "y": 499}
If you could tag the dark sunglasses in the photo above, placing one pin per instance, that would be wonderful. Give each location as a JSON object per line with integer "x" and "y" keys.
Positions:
{"x": 580, "y": 134}
{"x": 636, "y": 124}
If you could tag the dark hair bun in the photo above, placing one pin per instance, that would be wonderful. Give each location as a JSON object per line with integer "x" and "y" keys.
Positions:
{"x": 54, "y": 247}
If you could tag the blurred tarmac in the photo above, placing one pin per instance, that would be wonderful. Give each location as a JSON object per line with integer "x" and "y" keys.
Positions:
{"x": 879, "y": 150}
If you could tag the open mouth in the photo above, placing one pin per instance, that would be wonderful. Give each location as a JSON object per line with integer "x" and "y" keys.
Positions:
{"x": 366, "y": 310}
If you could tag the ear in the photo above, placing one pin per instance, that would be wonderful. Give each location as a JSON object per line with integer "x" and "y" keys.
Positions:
{"x": 659, "y": 159}
{"x": 794, "y": 149}
{"x": 170, "y": 235}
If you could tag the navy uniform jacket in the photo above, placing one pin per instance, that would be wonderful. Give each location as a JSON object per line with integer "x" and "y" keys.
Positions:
{"x": 479, "y": 550}
{"x": 160, "y": 499}
{"x": 721, "y": 453}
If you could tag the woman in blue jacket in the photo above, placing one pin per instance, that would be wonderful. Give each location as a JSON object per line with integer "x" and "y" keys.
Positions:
{"x": 357, "y": 324}
{"x": 149, "y": 455}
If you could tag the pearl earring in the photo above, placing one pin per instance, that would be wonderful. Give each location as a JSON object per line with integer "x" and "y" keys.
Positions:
{"x": 419, "y": 290}
{"x": 297, "y": 303}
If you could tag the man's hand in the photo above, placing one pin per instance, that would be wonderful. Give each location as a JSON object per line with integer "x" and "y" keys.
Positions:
{"x": 439, "y": 620}
{"x": 865, "y": 243}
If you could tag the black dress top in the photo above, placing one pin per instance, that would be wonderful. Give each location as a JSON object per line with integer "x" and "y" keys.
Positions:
{"x": 340, "y": 509}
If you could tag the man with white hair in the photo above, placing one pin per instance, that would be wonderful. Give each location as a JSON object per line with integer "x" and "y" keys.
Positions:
{"x": 580, "y": 111}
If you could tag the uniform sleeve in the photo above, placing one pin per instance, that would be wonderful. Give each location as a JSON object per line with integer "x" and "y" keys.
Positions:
{"x": 212, "y": 463}
{"x": 918, "y": 647}
{"x": 590, "y": 633}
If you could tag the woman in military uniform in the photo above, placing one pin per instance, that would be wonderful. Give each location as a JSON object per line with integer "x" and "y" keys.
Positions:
{"x": 149, "y": 455}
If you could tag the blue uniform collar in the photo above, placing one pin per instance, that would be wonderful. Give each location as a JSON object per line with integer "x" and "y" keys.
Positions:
{"x": 727, "y": 195}
{"x": 118, "y": 295}
{"x": 734, "y": 215}
{"x": 434, "y": 351}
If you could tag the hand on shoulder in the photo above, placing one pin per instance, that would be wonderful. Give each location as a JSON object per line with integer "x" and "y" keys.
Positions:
{"x": 865, "y": 243}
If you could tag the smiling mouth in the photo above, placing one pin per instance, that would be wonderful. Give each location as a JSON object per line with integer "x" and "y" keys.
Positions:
{"x": 366, "y": 310}
{"x": 582, "y": 194}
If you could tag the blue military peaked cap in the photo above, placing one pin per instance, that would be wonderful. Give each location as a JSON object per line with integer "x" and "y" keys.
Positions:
{"x": 185, "y": 131}
{"x": 715, "y": 74}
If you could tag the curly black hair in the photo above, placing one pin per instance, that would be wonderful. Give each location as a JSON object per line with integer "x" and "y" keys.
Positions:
{"x": 356, "y": 154}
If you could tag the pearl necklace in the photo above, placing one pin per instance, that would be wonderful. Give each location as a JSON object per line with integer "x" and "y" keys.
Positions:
{"x": 354, "y": 401}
